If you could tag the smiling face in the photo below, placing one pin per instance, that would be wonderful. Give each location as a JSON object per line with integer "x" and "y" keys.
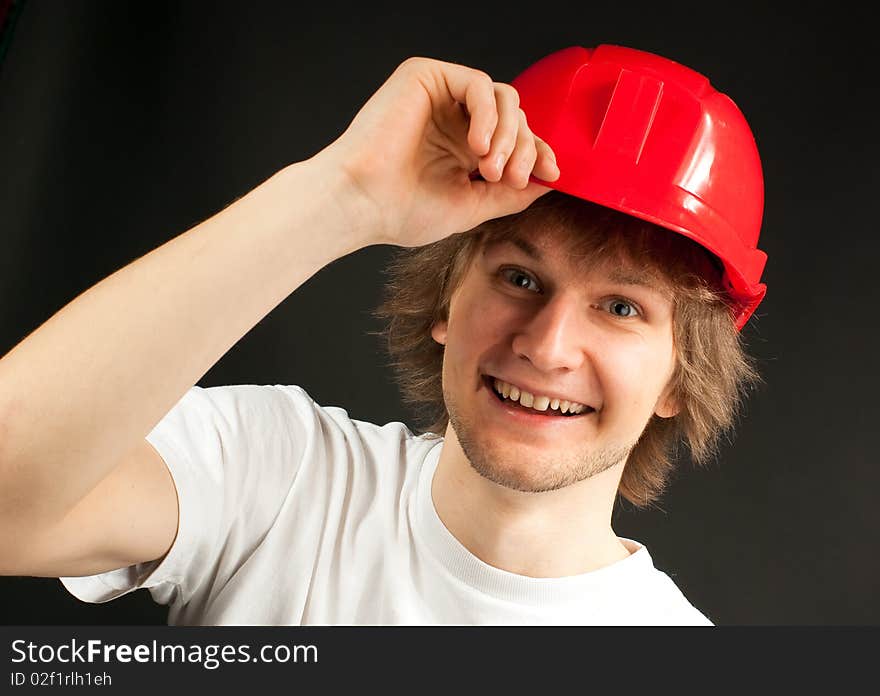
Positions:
{"x": 530, "y": 313}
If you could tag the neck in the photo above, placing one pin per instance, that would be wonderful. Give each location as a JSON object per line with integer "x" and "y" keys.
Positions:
{"x": 548, "y": 534}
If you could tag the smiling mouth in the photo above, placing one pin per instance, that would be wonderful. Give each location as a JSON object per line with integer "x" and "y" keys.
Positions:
{"x": 549, "y": 412}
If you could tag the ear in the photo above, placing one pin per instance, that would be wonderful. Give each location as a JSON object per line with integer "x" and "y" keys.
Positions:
{"x": 667, "y": 405}
{"x": 438, "y": 331}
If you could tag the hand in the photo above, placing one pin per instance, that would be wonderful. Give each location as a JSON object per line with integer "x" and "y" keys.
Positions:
{"x": 408, "y": 154}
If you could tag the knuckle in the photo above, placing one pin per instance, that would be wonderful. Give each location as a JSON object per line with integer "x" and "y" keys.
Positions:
{"x": 413, "y": 63}
{"x": 510, "y": 141}
{"x": 482, "y": 76}
{"x": 507, "y": 93}
{"x": 513, "y": 95}
{"x": 526, "y": 158}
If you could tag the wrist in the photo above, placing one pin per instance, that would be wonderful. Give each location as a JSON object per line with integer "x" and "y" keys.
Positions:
{"x": 350, "y": 212}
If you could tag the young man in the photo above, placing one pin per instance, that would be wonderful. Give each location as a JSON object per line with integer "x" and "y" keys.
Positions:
{"x": 564, "y": 346}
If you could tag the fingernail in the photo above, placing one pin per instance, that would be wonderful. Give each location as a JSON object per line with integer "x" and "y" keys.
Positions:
{"x": 487, "y": 140}
{"x": 499, "y": 161}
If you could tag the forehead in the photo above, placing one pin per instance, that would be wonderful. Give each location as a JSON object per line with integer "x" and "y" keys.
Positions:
{"x": 560, "y": 248}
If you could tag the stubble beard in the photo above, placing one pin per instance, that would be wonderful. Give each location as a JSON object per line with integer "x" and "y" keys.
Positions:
{"x": 544, "y": 473}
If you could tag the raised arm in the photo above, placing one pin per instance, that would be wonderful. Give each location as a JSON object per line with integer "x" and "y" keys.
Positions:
{"x": 80, "y": 393}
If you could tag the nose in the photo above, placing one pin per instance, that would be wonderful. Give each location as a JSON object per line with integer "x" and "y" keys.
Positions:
{"x": 554, "y": 336}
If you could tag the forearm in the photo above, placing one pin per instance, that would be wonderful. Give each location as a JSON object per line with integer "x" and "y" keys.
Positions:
{"x": 82, "y": 390}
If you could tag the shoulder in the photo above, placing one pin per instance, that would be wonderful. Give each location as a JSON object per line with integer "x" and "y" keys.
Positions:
{"x": 387, "y": 451}
{"x": 659, "y": 599}
{"x": 370, "y": 434}
{"x": 289, "y": 405}
{"x": 673, "y": 608}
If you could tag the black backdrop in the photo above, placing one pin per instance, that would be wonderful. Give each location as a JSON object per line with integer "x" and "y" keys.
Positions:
{"x": 123, "y": 124}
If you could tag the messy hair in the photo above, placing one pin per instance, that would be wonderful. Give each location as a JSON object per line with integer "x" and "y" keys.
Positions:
{"x": 712, "y": 373}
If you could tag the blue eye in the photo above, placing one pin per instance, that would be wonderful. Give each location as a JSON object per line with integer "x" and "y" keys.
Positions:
{"x": 622, "y": 308}
{"x": 520, "y": 279}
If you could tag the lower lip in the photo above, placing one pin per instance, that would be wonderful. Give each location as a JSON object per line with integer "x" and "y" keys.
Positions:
{"x": 525, "y": 417}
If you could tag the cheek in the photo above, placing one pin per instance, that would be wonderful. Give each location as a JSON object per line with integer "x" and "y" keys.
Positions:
{"x": 480, "y": 320}
{"x": 634, "y": 376}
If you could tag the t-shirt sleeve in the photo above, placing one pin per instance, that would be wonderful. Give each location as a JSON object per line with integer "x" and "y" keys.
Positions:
{"x": 233, "y": 453}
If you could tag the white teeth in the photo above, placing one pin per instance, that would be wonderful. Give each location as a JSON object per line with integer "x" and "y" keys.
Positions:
{"x": 539, "y": 403}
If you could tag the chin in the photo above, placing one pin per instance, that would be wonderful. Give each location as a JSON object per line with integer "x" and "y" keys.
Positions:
{"x": 532, "y": 470}
{"x": 520, "y": 469}
{"x": 520, "y": 480}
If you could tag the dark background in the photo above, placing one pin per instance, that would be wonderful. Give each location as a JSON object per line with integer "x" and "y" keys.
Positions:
{"x": 124, "y": 124}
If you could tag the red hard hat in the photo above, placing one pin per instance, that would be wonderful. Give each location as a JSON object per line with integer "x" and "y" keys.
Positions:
{"x": 652, "y": 138}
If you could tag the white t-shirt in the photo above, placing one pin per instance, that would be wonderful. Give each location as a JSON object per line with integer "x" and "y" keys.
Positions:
{"x": 293, "y": 513}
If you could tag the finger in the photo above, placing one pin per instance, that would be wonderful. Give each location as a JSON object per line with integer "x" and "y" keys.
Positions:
{"x": 546, "y": 167}
{"x": 504, "y": 137}
{"x": 498, "y": 199}
{"x": 474, "y": 89}
{"x": 522, "y": 159}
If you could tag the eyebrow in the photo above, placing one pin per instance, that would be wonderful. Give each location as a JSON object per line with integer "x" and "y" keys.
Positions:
{"x": 628, "y": 276}
{"x": 523, "y": 245}
{"x": 623, "y": 276}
